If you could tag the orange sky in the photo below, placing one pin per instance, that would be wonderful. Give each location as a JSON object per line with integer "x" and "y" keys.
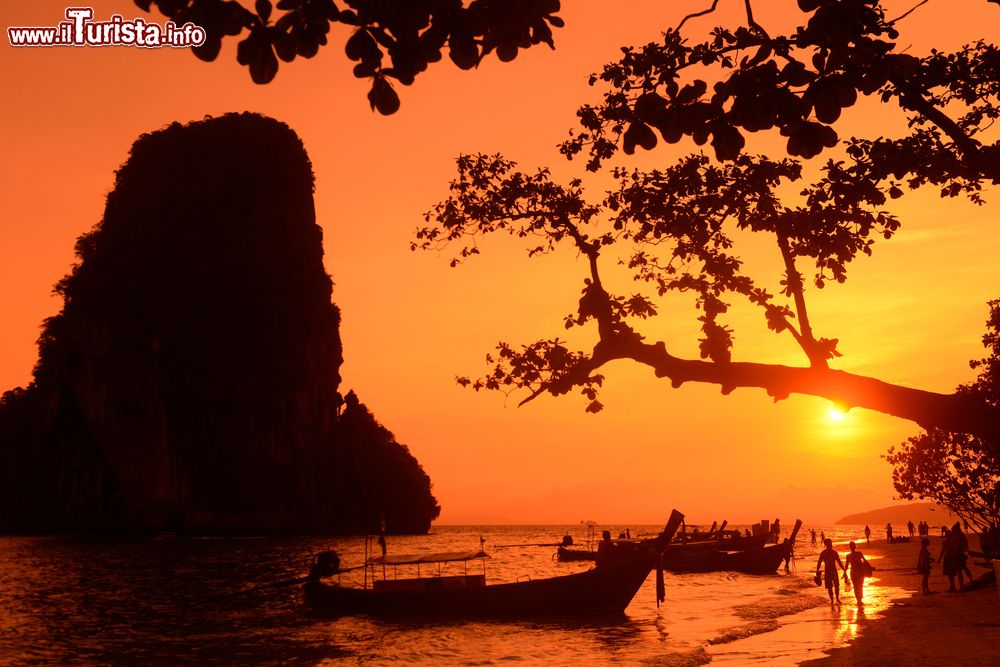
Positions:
{"x": 913, "y": 314}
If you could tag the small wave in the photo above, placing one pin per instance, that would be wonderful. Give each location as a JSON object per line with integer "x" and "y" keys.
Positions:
{"x": 795, "y": 587}
{"x": 744, "y": 631}
{"x": 775, "y": 607}
{"x": 690, "y": 659}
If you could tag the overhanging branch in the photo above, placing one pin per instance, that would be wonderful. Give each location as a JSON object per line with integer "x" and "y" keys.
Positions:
{"x": 951, "y": 412}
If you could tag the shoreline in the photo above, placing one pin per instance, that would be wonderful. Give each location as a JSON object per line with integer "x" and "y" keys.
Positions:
{"x": 937, "y": 629}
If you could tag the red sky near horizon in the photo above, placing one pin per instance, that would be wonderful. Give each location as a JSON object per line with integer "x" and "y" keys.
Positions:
{"x": 913, "y": 314}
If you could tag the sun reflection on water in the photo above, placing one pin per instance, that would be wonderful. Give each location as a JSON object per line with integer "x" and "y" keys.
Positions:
{"x": 849, "y": 617}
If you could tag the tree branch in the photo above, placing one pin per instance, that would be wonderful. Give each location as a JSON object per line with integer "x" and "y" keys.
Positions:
{"x": 696, "y": 15}
{"x": 950, "y": 412}
{"x": 971, "y": 149}
{"x": 752, "y": 23}
{"x": 795, "y": 285}
{"x": 908, "y": 12}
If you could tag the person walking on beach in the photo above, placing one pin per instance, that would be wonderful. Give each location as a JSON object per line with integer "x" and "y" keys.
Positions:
{"x": 868, "y": 535}
{"x": 953, "y": 554}
{"x": 830, "y": 560}
{"x": 909, "y": 527}
{"x": 812, "y": 533}
{"x": 859, "y": 567}
{"x": 924, "y": 565}
{"x": 965, "y": 551}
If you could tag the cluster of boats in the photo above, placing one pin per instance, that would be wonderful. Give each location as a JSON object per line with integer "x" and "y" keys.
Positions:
{"x": 714, "y": 551}
{"x": 607, "y": 588}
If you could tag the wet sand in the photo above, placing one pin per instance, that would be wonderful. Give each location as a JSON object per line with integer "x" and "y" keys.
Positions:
{"x": 939, "y": 629}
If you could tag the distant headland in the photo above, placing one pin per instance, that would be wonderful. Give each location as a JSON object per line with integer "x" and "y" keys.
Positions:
{"x": 191, "y": 382}
{"x": 932, "y": 513}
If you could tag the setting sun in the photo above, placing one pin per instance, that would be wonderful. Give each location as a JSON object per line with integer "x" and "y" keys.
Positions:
{"x": 836, "y": 414}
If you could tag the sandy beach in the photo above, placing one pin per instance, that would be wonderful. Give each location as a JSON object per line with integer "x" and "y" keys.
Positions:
{"x": 938, "y": 629}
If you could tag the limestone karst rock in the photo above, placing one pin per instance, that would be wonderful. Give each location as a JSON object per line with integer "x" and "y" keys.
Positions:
{"x": 191, "y": 380}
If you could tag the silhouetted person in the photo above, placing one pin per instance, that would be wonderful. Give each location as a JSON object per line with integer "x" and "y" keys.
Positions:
{"x": 965, "y": 552}
{"x": 954, "y": 554}
{"x": 858, "y": 566}
{"x": 822, "y": 537}
{"x": 909, "y": 527}
{"x": 888, "y": 533}
{"x": 830, "y": 560}
{"x": 567, "y": 540}
{"x": 325, "y": 564}
{"x": 868, "y": 535}
{"x": 924, "y": 565}
{"x": 812, "y": 535}
{"x": 628, "y": 534}
{"x": 788, "y": 554}
{"x": 607, "y": 552}
{"x": 776, "y": 530}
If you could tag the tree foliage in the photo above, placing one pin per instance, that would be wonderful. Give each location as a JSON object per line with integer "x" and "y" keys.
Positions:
{"x": 678, "y": 228}
{"x": 409, "y": 34}
{"x": 799, "y": 84}
{"x": 955, "y": 470}
{"x": 958, "y": 470}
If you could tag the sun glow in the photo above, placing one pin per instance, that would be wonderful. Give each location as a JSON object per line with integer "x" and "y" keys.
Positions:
{"x": 836, "y": 415}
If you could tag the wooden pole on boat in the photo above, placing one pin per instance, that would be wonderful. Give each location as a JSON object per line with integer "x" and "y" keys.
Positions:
{"x": 722, "y": 528}
{"x": 482, "y": 542}
{"x": 662, "y": 540}
{"x": 795, "y": 531}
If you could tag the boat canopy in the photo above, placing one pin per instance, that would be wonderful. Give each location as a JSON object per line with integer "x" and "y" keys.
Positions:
{"x": 442, "y": 557}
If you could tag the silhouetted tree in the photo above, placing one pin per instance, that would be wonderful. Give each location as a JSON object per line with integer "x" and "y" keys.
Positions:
{"x": 958, "y": 470}
{"x": 955, "y": 470}
{"x": 412, "y": 33}
{"x": 675, "y": 229}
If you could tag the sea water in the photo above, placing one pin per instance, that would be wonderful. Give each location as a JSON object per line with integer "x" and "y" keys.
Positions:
{"x": 171, "y": 600}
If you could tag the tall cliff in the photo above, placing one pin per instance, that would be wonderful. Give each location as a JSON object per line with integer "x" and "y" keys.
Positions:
{"x": 191, "y": 380}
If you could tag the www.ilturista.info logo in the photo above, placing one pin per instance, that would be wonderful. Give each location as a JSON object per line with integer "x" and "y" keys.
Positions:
{"x": 79, "y": 29}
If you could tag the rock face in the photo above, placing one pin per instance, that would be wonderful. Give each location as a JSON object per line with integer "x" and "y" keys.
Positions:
{"x": 191, "y": 380}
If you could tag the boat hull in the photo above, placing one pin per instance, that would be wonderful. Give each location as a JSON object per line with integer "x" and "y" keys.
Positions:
{"x": 762, "y": 560}
{"x": 564, "y": 555}
{"x": 594, "y": 592}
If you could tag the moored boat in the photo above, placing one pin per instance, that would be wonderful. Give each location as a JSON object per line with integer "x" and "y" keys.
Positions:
{"x": 755, "y": 560}
{"x": 605, "y": 590}
{"x": 565, "y": 554}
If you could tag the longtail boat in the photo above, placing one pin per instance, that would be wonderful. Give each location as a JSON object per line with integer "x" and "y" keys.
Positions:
{"x": 714, "y": 540}
{"x": 605, "y": 590}
{"x": 565, "y": 554}
{"x": 756, "y": 560}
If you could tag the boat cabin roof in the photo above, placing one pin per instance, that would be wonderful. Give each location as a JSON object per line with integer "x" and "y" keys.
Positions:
{"x": 440, "y": 557}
